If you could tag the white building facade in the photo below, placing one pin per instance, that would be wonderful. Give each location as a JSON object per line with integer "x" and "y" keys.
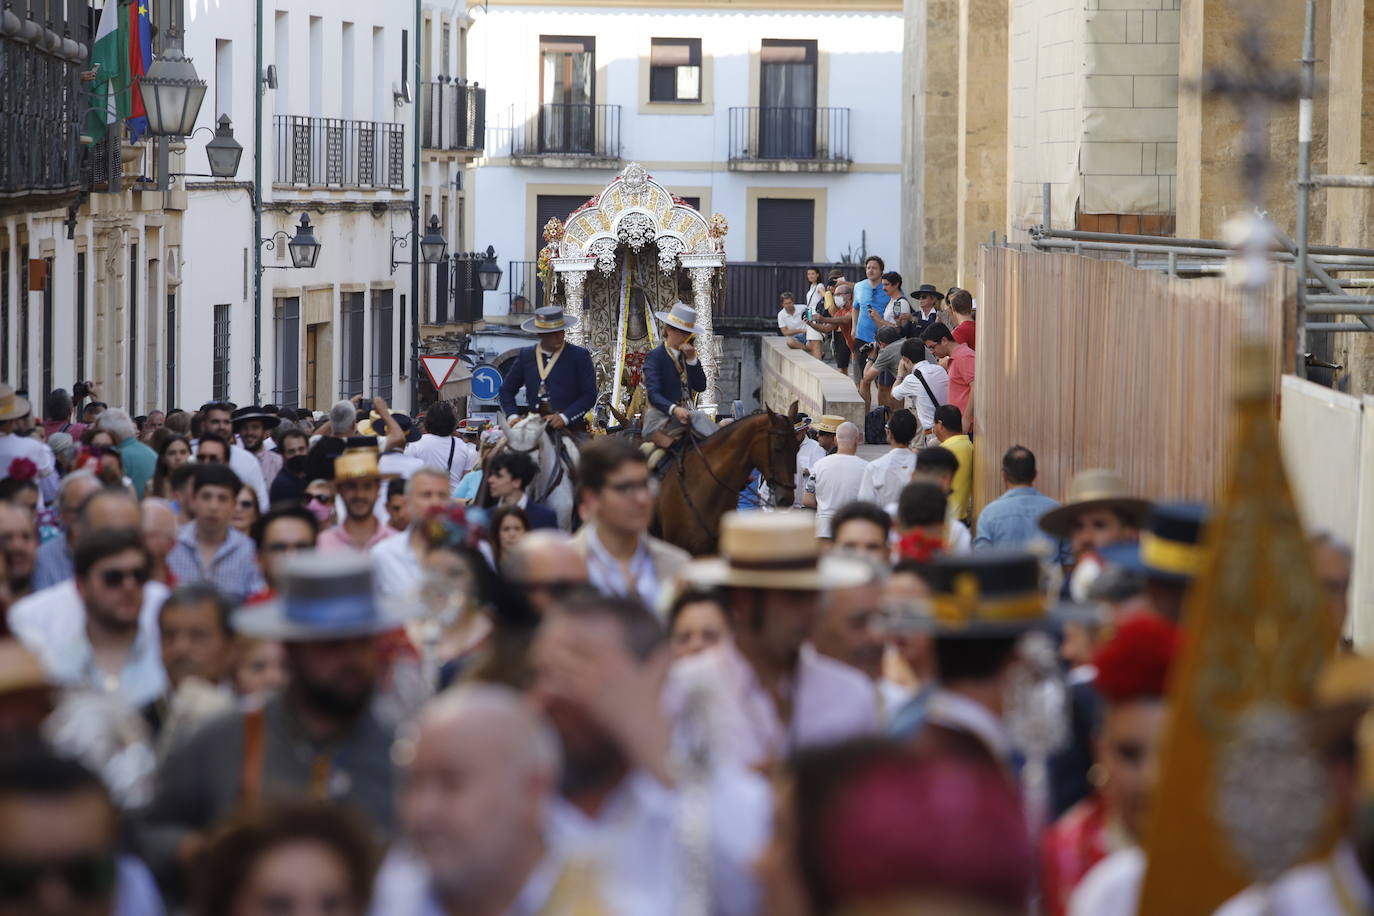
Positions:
{"x": 783, "y": 117}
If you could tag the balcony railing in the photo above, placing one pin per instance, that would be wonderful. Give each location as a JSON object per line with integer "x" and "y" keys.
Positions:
{"x": 752, "y": 288}
{"x": 523, "y": 289}
{"x": 777, "y": 135}
{"x": 41, "y": 109}
{"x": 330, "y": 152}
{"x": 455, "y": 116}
{"x": 586, "y": 131}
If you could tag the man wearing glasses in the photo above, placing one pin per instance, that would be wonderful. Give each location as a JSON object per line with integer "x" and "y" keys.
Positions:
{"x": 618, "y": 504}
{"x": 116, "y": 649}
{"x": 280, "y": 533}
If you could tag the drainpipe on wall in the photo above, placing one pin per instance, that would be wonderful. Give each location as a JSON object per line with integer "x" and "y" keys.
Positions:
{"x": 415, "y": 230}
{"x": 257, "y": 205}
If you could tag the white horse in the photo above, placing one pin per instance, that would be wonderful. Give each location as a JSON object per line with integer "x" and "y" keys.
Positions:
{"x": 553, "y": 485}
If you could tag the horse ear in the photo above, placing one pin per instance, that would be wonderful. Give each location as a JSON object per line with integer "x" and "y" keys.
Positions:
{"x": 770, "y": 410}
{"x": 792, "y": 411}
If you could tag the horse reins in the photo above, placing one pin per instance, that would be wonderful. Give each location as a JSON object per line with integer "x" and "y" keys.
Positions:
{"x": 696, "y": 447}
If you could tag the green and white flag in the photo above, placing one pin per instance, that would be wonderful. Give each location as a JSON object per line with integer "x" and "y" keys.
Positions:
{"x": 110, "y": 61}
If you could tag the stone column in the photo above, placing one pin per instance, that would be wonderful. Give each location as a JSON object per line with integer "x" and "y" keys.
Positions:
{"x": 984, "y": 78}
{"x": 930, "y": 141}
{"x": 702, "y": 269}
{"x": 574, "y": 273}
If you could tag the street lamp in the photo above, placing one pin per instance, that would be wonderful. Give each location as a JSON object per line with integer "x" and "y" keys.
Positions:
{"x": 433, "y": 245}
{"x": 488, "y": 272}
{"x": 224, "y": 152}
{"x": 171, "y": 93}
{"x": 304, "y": 248}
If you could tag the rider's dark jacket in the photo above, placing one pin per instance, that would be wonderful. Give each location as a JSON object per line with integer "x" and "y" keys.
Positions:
{"x": 663, "y": 385}
{"x": 571, "y": 383}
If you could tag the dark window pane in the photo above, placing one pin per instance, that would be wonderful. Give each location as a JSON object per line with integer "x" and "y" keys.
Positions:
{"x": 786, "y": 229}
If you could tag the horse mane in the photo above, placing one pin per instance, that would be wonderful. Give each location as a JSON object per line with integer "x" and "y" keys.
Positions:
{"x": 724, "y": 433}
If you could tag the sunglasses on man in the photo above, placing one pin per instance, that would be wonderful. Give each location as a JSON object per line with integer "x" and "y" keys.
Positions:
{"x": 114, "y": 578}
{"x": 86, "y": 877}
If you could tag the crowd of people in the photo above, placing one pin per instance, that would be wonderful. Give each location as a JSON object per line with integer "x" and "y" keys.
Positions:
{"x": 259, "y": 662}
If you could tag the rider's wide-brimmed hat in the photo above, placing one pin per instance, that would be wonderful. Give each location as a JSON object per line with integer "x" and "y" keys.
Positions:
{"x": 548, "y": 320}
{"x": 12, "y": 406}
{"x": 774, "y": 550}
{"x": 680, "y": 315}
{"x": 1092, "y": 490}
{"x": 324, "y": 597}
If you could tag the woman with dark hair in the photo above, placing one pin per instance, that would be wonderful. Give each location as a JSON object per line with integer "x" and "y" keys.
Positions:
{"x": 173, "y": 451}
{"x": 440, "y": 448}
{"x": 815, "y": 308}
{"x": 696, "y": 622}
{"x": 287, "y": 857}
{"x": 508, "y": 525}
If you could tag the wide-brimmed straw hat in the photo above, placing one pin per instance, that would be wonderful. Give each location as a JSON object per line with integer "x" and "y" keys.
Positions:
{"x": 359, "y": 463}
{"x": 1091, "y": 490}
{"x": 775, "y": 550}
{"x": 829, "y": 423}
{"x": 680, "y": 315}
{"x": 324, "y": 596}
{"x": 12, "y": 406}
{"x": 548, "y": 320}
{"x": 269, "y": 421}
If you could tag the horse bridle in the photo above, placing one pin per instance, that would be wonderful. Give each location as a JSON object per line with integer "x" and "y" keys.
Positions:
{"x": 767, "y": 477}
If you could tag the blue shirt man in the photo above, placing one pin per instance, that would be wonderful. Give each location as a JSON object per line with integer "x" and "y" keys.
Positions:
{"x": 869, "y": 293}
{"x": 564, "y": 372}
{"x": 1012, "y": 520}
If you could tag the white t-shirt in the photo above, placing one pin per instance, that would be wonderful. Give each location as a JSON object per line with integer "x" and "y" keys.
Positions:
{"x": 793, "y": 323}
{"x": 837, "y": 478}
{"x": 910, "y": 388}
{"x": 435, "y": 451}
{"x": 14, "y": 446}
{"x": 898, "y": 306}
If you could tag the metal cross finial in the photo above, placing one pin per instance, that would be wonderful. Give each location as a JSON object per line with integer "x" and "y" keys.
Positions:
{"x": 1255, "y": 85}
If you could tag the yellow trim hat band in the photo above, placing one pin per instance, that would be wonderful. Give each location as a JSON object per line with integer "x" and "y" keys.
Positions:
{"x": 1176, "y": 557}
{"x": 957, "y": 611}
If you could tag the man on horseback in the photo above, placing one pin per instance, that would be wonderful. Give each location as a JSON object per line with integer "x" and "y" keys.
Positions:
{"x": 672, "y": 373}
{"x": 558, "y": 377}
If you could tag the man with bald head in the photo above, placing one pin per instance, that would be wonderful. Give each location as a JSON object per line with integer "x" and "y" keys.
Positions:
{"x": 547, "y": 566}
{"x": 835, "y": 479}
{"x": 159, "y": 526}
{"x": 55, "y": 617}
{"x": 54, "y": 563}
{"x": 476, "y": 812}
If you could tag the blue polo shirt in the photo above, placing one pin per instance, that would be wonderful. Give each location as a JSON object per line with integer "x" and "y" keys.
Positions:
{"x": 865, "y": 294}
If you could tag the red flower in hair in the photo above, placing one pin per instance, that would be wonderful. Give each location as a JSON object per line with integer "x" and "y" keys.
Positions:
{"x": 919, "y": 546}
{"x": 22, "y": 469}
{"x": 1134, "y": 664}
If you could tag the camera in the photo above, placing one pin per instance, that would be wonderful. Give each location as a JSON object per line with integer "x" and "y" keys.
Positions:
{"x": 833, "y": 282}
{"x": 81, "y": 390}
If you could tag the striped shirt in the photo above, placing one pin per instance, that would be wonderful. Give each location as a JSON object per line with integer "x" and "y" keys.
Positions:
{"x": 234, "y": 569}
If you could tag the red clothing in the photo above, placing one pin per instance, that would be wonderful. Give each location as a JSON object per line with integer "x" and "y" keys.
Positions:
{"x": 1071, "y": 846}
{"x": 967, "y": 333}
{"x": 961, "y": 377}
{"x": 75, "y": 430}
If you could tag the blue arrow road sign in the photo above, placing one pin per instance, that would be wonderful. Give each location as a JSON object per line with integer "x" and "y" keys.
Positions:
{"x": 486, "y": 383}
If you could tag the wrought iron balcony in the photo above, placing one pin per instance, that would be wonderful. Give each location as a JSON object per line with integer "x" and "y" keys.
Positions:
{"x": 523, "y": 290}
{"x": 41, "y": 105}
{"x": 764, "y": 139}
{"x": 455, "y": 116}
{"x": 572, "y": 135}
{"x": 330, "y": 152}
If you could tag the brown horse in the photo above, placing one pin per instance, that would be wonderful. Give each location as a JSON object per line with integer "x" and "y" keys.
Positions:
{"x": 705, "y": 479}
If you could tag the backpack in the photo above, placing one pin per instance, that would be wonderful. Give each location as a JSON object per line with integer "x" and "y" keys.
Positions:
{"x": 875, "y": 426}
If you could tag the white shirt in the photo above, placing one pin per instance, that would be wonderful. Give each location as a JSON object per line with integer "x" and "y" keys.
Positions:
{"x": 808, "y": 453}
{"x": 958, "y": 538}
{"x": 249, "y": 471}
{"x": 1309, "y": 890}
{"x": 395, "y": 566}
{"x": 886, "y": 475}
{"x": 793, "y": 323}
{"x": 636, "y": 839}
{"x": 14, "y": 446}
{"x": 837, "y": 478}
{"x": 831, "y": 702}
{"x": 52, "y": 624}
{"x": 1112, "y": 886}
{"x": 895, "y": 307}
{"x": 606, "y": 575}
{"x": 434, "y": 451}
{"x": 910, "y": 388}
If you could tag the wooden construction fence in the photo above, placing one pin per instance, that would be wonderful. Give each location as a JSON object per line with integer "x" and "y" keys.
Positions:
{"x": 1093, "y": 364}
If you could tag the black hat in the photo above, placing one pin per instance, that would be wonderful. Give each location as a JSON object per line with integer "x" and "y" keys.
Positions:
{"x": 402, "y": 420}
{"x": 269, "y": 420}
{"x": 987, "y": 594}
{"x": 1171, "y": 543}
{"x": 928, "y": 289}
